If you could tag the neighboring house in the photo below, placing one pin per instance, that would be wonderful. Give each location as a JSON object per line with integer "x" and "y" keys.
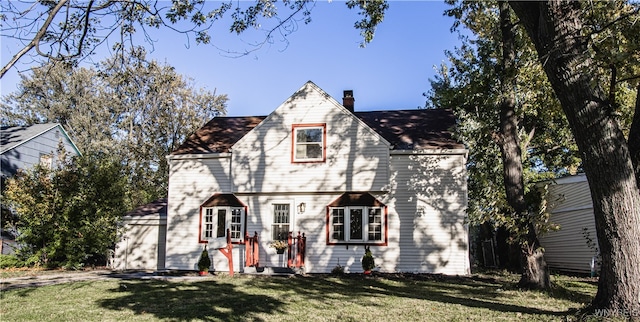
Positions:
{"x": 143, "y": 240}
{"x": 392, "y": 180}
{"x": 22, "y": 147}
{"x": 25, "y": 146}
{"x": 571, "y": 207}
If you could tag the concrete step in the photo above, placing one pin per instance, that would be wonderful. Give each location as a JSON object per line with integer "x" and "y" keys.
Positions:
{"x": 275, "y": 271}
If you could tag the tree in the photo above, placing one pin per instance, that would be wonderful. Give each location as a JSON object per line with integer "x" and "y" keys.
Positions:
{"x": 71, "y": 30}
{"x": 137, "y": 110}
{"x": 68, "y": 216}
{"x": 534, "y": 267}
{"x": 563, "y": 40}
{"x": 516, "y": 132}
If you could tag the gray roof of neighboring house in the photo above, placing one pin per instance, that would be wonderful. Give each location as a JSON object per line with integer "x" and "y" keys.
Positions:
{"x": 14, "y": 136}
{"x": 403, "y": 129}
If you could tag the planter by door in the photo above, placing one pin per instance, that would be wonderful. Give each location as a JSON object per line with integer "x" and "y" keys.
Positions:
{"x": 280, "y": 251}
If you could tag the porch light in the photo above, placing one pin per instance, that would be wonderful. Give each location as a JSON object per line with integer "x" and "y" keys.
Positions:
{"x": 301, "y": 207}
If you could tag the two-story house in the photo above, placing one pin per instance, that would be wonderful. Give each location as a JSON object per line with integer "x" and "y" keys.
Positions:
{"x": 394, "y": 181}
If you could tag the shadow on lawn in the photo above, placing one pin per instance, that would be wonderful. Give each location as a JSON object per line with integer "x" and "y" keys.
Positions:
{"x": 223, "y": 300}
{"x": 206, "y": 300}
{"x": 470, "y": 292}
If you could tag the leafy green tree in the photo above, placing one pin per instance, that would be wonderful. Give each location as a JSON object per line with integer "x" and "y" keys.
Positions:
{"x": 516, "y": 133}
{"x": 136, "y": 110}
{"x": 68, "y": 216}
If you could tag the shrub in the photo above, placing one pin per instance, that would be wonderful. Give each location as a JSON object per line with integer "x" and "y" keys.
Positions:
{"x": 10, "y": 261}
{"x": 205, "y": 262}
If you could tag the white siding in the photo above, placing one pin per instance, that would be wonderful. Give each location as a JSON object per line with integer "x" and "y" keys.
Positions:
{"x": 356, "y": 156}
{"x": 191, "y": 182}
{"x": 572, "y": 209}
{"x": 429, "y": 195}
{"x": 142, "y": 244}
{"x": 426, "y": 230}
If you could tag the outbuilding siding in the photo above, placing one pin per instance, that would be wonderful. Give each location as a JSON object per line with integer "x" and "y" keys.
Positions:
{"x": 572, "y": 209}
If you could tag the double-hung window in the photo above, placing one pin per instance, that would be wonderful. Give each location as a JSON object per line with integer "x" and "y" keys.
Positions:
{"x": 309, "y": 143}
{"x": 356, "y": 224}
{"x": 216, "y": 221}
{"x": 281, "y": 221}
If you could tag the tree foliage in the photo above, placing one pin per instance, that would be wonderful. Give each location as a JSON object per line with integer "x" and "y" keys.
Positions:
{"x": 68, "y": 216}
{"x": 471, "y": 85}
{"x": 71, "y": 30}
{"x": 136, "y": 110}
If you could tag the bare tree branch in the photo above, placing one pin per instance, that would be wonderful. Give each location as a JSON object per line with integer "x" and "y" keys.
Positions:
{"x": 35, "y": 41}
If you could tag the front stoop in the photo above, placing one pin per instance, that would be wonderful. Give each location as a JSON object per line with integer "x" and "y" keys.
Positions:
{"x": 273, "y": 271}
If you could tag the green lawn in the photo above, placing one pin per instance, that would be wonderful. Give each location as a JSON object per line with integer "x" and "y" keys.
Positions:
{"x": 313, "y": 298}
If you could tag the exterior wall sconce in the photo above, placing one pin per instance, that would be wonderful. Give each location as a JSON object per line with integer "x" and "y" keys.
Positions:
{"x": 302, "y": 207}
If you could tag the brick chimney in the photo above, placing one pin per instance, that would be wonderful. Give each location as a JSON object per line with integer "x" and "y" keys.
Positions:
{"x": 348, "y": 100}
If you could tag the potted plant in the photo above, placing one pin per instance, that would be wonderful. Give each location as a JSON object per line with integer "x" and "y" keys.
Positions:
{"x": 279, "y": 245}
{"x": 204, "y": 263}
{"x": 368, "y": 262}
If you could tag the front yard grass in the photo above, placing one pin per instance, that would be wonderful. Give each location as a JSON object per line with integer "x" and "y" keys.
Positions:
{"x": 313, "y": 298}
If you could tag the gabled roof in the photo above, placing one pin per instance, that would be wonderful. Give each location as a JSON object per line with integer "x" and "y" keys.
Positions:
{"x": 14, "y": 136}
{"x": 156, "y": 207}
{"x": 223, "y": 199}
{"x": 356, "y": 199}
{"x": 218, "y": 135}
{"x": 404, "y": 129}
{"x": 414, "y": 129}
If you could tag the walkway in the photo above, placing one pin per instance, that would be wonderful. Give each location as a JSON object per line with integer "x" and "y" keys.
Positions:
{"x": 67, "y": 277}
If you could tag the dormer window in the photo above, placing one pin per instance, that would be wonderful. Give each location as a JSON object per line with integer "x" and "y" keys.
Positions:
{"x": 309, "y": 142}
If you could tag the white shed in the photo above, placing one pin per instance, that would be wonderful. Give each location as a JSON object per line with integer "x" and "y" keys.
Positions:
{"x": 142, "y": 244}
{"x": 569, "y": 248}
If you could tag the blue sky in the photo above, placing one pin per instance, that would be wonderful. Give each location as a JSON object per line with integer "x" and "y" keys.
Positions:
{"x": 392, "y": 72}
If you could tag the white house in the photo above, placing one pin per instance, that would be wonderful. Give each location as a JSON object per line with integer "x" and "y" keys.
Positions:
{"x": 573, "y": 247}
{"x": 392, "y": 180}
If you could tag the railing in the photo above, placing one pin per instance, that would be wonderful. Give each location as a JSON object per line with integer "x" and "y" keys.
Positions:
{"x": 228, "y": 252}
{"x": 296, "y": 250}
{"x": 252, "y": 250}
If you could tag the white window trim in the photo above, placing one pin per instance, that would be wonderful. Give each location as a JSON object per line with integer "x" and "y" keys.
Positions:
{"x": 365, "y": 225}
{"x": 228, "y": 223}
{"x": 297, "y": 127}
{"x": 291, "y": 215}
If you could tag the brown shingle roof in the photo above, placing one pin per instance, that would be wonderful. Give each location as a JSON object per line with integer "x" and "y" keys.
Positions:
{"x": 218, "y": 135}
{"x": 155, "y": 207}
{"x": 414, "y": 129}
{"x": 404, "y": 129}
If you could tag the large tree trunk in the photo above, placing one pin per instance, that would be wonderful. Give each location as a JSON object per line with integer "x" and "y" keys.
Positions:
{"x": 534, "y": 269}
{"x": 555, "y": 29}
{"x": 634, "y": 138}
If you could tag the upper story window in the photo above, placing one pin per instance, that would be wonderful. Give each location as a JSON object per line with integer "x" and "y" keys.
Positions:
{"x": 309, "y": 142}
{"x": 46, "y": 161}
